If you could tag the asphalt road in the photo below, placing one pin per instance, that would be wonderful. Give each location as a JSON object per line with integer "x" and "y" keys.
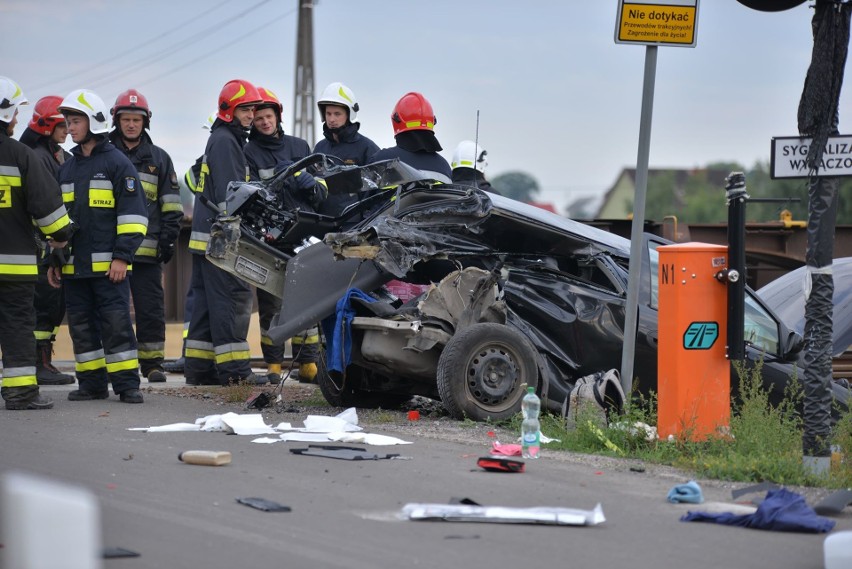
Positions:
{"x": 345, "y": 513}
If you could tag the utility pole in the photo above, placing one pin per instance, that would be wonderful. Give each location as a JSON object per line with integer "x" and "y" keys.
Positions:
{"x": 304, "y": 110}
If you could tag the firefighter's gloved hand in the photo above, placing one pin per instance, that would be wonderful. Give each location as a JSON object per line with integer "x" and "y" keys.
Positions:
{"x": 58, "y": 257}
{"x": 310, "y": 189}
{"x": 304, "y": 181}
{"x": 165, "y": 251}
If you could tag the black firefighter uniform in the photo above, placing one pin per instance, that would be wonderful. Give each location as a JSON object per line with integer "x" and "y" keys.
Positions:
{"x": 28, "y": 194}
{"x": 162, "y": 198}
{"x": 106, "y": 201}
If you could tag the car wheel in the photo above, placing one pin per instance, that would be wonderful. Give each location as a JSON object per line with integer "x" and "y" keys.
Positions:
{"x": 483, "y": 372}
{"x": 346, "y": 391}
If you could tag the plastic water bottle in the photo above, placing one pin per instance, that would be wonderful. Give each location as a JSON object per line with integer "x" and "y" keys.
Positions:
{"x": 530, "y": 428}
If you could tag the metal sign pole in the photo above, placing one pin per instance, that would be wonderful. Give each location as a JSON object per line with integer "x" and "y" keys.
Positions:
{"x": 631, "y": 315}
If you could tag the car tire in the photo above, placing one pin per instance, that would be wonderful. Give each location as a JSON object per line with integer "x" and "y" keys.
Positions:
{"x": 346, "y": 391}
{"x": 484, "y": 370}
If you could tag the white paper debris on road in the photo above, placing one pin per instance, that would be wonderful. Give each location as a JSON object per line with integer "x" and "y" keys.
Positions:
{"x": 266, "y": 440}
{"x": 502, "y": 514}
{"x": 213, "y": 423}
{"x": 305, "y": 437}
{"x": 174, "y": 427}
{"x": 247, "y": 424}
{"x": 323, "y": 424}
{"x": 318, "y": 429}
{"x": 367, "y": 439}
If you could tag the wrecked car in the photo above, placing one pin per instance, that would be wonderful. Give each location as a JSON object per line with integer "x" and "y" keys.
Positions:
{"x": 501, "y": 295}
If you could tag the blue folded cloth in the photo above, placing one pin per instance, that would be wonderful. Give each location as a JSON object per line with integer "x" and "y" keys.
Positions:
{"x": 781, "y": 510}
{"x": 689, "y": 492}
{"x": 338, "y": 330}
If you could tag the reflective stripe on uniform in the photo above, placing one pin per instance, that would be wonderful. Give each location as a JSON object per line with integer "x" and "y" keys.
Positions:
{"x": 307, "y": 336}
{"x": 198, "y": 241}
{"x": 67, "y": 192}
{"x": 10, "y": 176}
{"x": 149, "y": 185}
{"x": 190, "y": 180}
{"x": 90, "y": 361}
{"x": 100, "y": 263}
{"x": 18, "y": 265}
{"x": 202, "y": 178}
{"x": 266, "y": 173}
{"x": 122, "y": 361}
{"x": 53, "y": 221}
{"x": 19, "y": 376}
{"x": 171, "y": 202}
{"x": 151, "y": 350}
{"x": 199, "y": 350}
{"x": 231, "y": 352}
{"x": 148, "y": 248}
{"x": 131, "y": 224}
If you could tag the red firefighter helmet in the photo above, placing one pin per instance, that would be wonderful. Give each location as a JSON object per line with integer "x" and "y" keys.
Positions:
{"x": 131, "y": 101}
{"x": 413, "y": 112}
{"x": 235, "y": 93}
{"x": 46, "y": 115}
{"x": 269, "y": 100}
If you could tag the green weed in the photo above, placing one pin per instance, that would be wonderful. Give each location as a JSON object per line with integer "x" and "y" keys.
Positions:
{"x": 763, "y": 442}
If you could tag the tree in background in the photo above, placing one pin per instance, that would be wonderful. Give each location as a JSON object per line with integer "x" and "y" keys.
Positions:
{"x": 698, "y": 196}
{"x": 516, "y": 185}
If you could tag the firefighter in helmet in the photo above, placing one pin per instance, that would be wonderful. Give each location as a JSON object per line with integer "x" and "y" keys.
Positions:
{"x": 29, "y": 196}
{"x": 413, "y": 122}
{"x": 131, "y": 121}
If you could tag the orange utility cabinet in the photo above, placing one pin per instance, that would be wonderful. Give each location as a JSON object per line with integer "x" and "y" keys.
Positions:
{"x": 694, "y": 374}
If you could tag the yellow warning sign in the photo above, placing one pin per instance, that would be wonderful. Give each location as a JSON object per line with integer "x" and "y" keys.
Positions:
{"x": 664, "y": 22}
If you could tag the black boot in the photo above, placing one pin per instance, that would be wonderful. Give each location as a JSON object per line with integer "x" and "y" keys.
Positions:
{"x": 46, "y": 373}
{"x": 175, "y": 366}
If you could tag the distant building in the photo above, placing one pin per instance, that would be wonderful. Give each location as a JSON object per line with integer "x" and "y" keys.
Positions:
{"x": 618, "y": 200}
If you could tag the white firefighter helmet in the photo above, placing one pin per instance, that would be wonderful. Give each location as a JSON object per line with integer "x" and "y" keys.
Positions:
{"x": 10, "y": 97}
{"x": 208, "y": 124}
{"x": 88, "y": 103}
{"x": 468, "y": 154}
{"x": 340, "y": 95}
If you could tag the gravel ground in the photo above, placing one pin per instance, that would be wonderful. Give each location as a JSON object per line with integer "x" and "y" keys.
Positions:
{"x": 301, "y": 400}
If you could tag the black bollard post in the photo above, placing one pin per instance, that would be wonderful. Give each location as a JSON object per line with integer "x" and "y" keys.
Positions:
{"x": 736, "y": 197}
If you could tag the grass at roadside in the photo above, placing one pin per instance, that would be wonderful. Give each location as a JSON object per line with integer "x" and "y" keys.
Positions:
{"x": 764, "y": 442}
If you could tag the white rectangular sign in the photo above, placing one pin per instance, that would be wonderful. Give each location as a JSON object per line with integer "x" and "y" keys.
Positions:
{"x": 790, "y": 152}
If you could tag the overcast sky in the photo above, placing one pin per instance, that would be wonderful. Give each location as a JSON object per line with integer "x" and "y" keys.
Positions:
{"x": 556, "y": 96}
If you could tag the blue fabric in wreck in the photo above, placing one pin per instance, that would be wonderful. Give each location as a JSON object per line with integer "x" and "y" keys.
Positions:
{"x": 689, "y": 492}
{"x": 338, "y": 330}
{"x": 781, "y": 510}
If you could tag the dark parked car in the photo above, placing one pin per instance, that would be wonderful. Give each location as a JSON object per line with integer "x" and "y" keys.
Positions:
{"x": 786, "y": 297}
{"x": 513, "y": 295}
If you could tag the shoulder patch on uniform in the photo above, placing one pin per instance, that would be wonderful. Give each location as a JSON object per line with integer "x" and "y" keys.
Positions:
{"x": 173, "y": 178}
{"x": 152, "y": 169}
{"x": 130, "y": 183}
